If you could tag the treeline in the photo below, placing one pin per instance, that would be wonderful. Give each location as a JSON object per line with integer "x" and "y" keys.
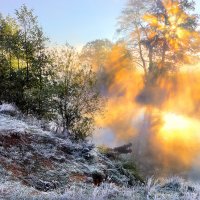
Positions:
{"x": 49, "y": 83}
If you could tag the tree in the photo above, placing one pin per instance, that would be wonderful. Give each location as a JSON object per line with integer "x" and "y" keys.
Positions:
{"x": 9, "y": 81}
{"x": 33, "y": 48}
{"x": 23, "y": 41}
{"x": 28, "y": 27}
{"x": 75, "y": 98}
{"x": 162, "y": 35}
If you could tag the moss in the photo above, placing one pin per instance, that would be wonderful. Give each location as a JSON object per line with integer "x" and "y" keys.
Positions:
{"x": 132, "y": 169}
{"x": 108, "y": 152}
{"x": 103, "y": 149}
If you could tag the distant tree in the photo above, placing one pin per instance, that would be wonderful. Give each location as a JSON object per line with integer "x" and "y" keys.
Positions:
{"x": 95, "y": 53}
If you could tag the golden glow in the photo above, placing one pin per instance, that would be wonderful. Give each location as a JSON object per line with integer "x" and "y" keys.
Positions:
{"x": 125, "y": 83}
{"x": 177, "y": 37}
{"x": 178, "y": 140}
{"x": 173, "y": 122}
{"x": 175, "y": 138}
{"x": 178, "y": 126}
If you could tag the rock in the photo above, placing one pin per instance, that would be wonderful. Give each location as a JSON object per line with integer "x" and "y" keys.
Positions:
{"x": 98, "y": 177}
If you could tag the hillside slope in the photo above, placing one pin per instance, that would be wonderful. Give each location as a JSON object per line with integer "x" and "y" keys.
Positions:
{"x": 46, "y": 161}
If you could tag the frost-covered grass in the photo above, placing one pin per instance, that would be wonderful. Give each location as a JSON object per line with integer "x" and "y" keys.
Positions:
{"x": 12, "y": 119}
{"x": 169, "y": 189}
{"x": 8, "y": 123}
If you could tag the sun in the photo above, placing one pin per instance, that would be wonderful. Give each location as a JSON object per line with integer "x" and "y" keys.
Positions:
{"x": 173, "y": 121}
{"x": 179, "y": 127}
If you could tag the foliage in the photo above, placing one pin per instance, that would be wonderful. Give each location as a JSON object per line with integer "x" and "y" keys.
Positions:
{"x": 132, "y": 168}
{"x": 96, "y": 52}
{"x": 42, "y": 83}
{"x": 75, "y": 97}
{"x": 22, "y": 61}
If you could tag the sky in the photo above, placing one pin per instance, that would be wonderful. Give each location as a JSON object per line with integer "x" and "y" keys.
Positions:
{"x": 74, "y": 21}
